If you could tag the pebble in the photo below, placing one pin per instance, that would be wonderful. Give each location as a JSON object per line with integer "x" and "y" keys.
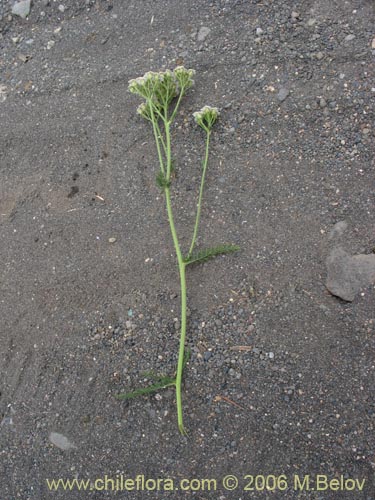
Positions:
{"x": 322, "y": 102}
{"x": 61, "y": 8}
{"x": 348, "y": 274}
{"x": 338, "y": 229}
{"x": 319, "y": 55}
{"x": 50, "y": 44}
{"x": 112, "y": 240}
{"x": 61, "y": 441}
{"x": 349, "y": 38}
{"x": 282, "y": 94}
{"x": 203, "y": 33}
{"x": 22, "y": 8}
{"x": 259, "y": 31}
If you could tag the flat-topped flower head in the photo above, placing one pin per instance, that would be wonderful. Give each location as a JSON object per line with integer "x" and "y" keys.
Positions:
{"x": 137, "y": 86}
{"x": 145, "y": 111}
{"x": 184, "y": 77}
{"x": 160, "y": 87}
{"x": 206, "y": 117}
{"x": 167, "y": 89}
{"x": 144, "y": 86}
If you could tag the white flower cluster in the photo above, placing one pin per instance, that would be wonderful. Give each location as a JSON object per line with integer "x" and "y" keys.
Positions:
{"x": 163, "y": 86}
{"x": 206, "y": 117}
{"x": 184, "y": 77}
{"x": 144, "y": 110}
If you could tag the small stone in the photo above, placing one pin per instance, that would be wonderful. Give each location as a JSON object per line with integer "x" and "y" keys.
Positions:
{"x": 319, "y": 55}
{"x": 348, "y": 274}
{"x": 295, "y": 15}
{"x": 203, "y": 33}
{"x": 271, "y": 355}
{"x": 7, "y": 421}
{"x": 61, "y": 8}
{"x": 338, "y": 229}
{"x": 50, "y": 44}
{"x": 22, "y": 8}
{"x": 349, "y": 38}
{"x": 311, "y": 22}
{"x": 207, "y": 355}
{"x": 112, "y": 240}
{"x": 23, "y": 57}
{"x": 45, "y": 3}
{"x": 373, "y": 43}
{"x": 282, "y": 94}
{"x": 61, "y": 441}
{"x": 259, "y": 31}
{"x": 128, "y": 324}
{"x": 322, "y": 102}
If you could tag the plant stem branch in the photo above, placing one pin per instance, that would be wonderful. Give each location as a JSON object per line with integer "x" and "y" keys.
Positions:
{"x": 156, "y": 130}
{"x": 182, "y": 92}
{"x": 181, "y": 267}
{"x": 161, "y": 138}
{"x": 181, "y": 355}
{"x": 199, "y": 206}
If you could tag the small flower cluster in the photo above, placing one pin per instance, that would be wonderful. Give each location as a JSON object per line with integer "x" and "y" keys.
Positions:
{"x": 161, "y": 88}
{"x": 206, "y": 117}
{"x": 147, "y": 111}
{"x": 184, "y": 77}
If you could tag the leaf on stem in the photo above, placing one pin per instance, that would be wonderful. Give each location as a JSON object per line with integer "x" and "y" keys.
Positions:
{"x": 209, "y": 253}
{"x": 162, "y": 181}
{"x": 162, "y": 383}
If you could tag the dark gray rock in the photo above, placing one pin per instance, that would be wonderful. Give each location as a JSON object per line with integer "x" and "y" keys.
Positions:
{"x": 348, "y": 274}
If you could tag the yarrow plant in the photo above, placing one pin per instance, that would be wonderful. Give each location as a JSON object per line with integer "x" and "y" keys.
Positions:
{"x": 162, "y": 93}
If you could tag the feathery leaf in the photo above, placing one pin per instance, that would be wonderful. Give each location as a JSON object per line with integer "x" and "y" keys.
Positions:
{"x": 161, "y": 181}
{"x": 162, "y": 383}
{"x": 209, "y": 253}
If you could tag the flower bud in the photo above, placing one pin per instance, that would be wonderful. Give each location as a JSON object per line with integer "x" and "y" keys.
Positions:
{"x": 206, "y": 117}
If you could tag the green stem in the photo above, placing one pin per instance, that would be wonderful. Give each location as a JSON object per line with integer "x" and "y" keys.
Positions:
{"x": 181, "y": 355}
{"x": 168, "y": 152}
{"x": 177, "y": 105}
{"x": 161, "y": 138}
{"x": 199, "y": 207}
{"x": 156, "y": 135}
{"x": 181, "y": 267}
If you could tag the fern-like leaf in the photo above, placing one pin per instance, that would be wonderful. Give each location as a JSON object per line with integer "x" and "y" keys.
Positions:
{"x": 162, "y": 383}
{"x": 210, "y": 253}
{"x": 161, "y": 181}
